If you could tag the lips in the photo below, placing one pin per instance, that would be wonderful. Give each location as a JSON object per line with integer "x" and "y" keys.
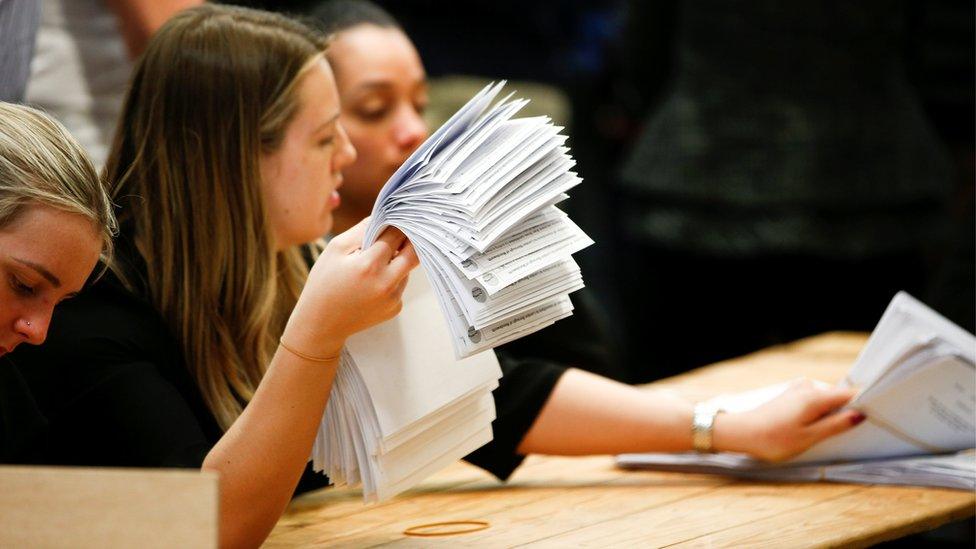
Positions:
{"x": 334, "y": 198}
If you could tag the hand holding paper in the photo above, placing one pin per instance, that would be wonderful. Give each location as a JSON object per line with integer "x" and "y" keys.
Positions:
{"x": 476, "y": 201}
{"x": 355, "y": 301}
{"x": 779, "y": 422}
{"x": 917, "y": 386}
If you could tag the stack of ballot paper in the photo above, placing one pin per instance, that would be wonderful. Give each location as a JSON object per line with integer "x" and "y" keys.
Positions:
{"x": 402, "y": 407}
{"x": 943, "y": 471}
{"x": 917, "y": 386}
{"x": 477, "y": 200}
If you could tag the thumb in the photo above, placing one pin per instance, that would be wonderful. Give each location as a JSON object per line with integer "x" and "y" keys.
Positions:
{"x": 404, "y": 261}
{"x": 352, "y": 239}
{"x": 835, "y": 424}
{"x": 828, "y": 399}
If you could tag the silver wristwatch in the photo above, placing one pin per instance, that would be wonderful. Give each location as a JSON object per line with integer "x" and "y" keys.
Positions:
{"x": 702, "y": 424}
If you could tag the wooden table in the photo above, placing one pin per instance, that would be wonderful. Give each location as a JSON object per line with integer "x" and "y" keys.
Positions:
{"x": 560, "y": 502}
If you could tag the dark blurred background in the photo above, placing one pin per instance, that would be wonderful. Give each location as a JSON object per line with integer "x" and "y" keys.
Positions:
{"x": 754, "y": 172}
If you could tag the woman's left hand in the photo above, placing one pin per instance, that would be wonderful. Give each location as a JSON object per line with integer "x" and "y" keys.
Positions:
{"x": 789, "y": 424}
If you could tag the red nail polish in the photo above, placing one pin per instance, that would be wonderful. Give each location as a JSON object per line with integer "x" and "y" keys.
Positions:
{"x": 858, "y": 418}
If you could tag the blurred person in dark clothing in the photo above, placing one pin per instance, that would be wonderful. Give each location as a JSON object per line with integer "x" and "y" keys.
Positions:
{"x": 788, "y": 183}
{"x": 941, "y": 65}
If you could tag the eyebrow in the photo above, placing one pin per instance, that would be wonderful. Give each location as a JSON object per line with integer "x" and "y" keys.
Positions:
{"x": 380, "y": 84}
{"x": 332, "y": 119}
{"x": 373, "y": 84}
{"x": 41, "y": 271}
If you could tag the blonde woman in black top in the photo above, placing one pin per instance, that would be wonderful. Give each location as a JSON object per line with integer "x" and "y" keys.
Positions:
{"x": 55, "y": 221}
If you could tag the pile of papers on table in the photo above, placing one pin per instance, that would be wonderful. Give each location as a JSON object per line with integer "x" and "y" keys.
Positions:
{"x": 945, "y": 470}
{"x": 917, "y": 382}
{"x": 477, "y": 200}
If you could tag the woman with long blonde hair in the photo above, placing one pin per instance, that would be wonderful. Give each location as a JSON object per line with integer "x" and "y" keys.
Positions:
{"x": 211, "y": 343}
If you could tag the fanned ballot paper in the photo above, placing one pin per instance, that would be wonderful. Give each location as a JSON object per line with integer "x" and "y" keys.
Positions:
{"x": 917, "y": 382}
{"x": 477, "y": 200}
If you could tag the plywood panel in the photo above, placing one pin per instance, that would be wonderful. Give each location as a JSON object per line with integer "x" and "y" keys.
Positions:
{"x": 81, "y": 507}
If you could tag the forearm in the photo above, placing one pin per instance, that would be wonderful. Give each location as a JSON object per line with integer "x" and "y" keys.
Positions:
{"x": 261, "y": 457}
{"x": 589, "y": 414}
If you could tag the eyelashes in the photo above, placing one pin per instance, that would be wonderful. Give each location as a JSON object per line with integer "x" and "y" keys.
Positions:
{"x": 377, "y": 114}
{"x": 373, "y": 115}
{"x": 20, "y": 288}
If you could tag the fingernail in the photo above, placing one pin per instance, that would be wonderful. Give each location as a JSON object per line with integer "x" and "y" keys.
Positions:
{"x": 858, "y": 418}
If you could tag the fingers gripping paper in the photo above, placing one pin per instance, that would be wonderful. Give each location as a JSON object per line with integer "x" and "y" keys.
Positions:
{"x": 477, "y": 200}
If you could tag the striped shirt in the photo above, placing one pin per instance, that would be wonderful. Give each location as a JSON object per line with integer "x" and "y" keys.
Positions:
{"x": 19, "y": 20}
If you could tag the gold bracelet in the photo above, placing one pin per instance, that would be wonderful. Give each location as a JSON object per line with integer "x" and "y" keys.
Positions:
{"x": 300, "y": 354}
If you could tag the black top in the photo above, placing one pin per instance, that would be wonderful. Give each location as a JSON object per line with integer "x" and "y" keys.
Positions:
{"x": 112, "y": 387}
{"x": 109, "y": 387}
{"x": 20, "y": 417}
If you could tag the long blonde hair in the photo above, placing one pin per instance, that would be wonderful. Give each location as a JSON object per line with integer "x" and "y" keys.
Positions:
{"x": 40, "y": 162}
{"x": 215, "y": 88}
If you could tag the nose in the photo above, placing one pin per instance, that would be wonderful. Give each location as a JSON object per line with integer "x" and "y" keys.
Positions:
{"x": 346, "y": 154}
{"x": 410, "y": 129}
{"x": 33, "y": 327}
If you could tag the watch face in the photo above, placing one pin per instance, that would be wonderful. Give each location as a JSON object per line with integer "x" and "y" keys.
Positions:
{"x": 701, "y": 427}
